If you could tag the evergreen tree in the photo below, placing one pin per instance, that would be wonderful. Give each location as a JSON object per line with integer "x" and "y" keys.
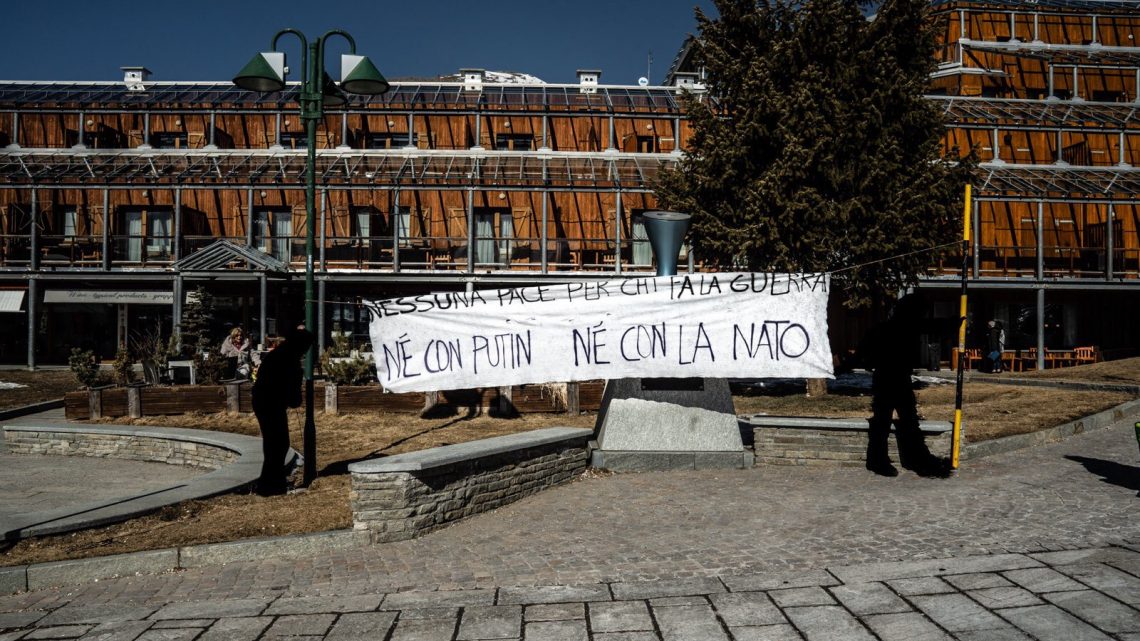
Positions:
{"x": 196, "y": 329}
{"x": 814, "y": 148}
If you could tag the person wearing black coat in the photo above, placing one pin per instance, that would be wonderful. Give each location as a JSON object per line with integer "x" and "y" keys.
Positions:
{"x": 889, "y": 350}
{"x": 995, "y": 345}
{"x": 277, "y": 388}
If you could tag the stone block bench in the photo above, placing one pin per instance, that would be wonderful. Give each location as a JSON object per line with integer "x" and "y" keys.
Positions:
{"x": 787, "y": 440}
{"x": 232, "y": 461}
{"x": 403, "y": 496}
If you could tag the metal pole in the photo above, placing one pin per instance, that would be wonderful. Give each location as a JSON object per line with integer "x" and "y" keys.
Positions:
{"x": 311, "y": 108}
{"x": 33, "y": 311}
{"x": 321, "y": 316}
{"x": 106, "y": 230}
{"x": 249, "y": 217}
{"x": 617, "y": 233}
{"x": 956, "y": 437}
{"x": 177, "y": 223}
{"x": 470, "y": 230}
{"x": 33, "y": 217}
{"x": 263, "y": 309}
{"x": 1040, "y": 327}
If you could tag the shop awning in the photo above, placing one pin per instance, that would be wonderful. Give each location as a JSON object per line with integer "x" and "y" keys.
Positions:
{"x": 11, "y": 300}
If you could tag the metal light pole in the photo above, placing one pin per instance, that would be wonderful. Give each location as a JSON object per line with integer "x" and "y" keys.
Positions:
{"x": 266, "y": 73}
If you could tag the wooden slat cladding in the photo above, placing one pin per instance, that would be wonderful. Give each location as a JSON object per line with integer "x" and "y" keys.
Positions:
{"x": 1027, "y": 76}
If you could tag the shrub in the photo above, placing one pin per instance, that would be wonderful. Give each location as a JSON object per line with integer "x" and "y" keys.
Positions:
{"x": 209, "y": 367}
{"x": 83, "y": 364}
{"x": 123, "y": 368}
{"x": 351, "y": 371}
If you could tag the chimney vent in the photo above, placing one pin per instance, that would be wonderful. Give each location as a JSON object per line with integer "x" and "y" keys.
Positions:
{"x": 472, "y": 79}
{"x": 135, "y": 78}
{"x": 588, "y": 80}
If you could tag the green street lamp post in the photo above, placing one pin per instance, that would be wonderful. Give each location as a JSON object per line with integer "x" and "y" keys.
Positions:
{"x": 266, "y": 73}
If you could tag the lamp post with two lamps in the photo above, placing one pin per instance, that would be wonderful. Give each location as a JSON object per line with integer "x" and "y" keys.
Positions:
{"x": 266, "y": 73}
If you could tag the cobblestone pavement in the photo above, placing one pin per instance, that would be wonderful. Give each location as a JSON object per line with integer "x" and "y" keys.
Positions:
{"x": 1039, "y": 544}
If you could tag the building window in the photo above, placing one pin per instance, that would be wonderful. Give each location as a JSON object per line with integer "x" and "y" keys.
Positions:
{"x": 642, "y": 253}
{"x": 494, "y": 236}
{"x": 647, "y": 144}
{"x": 514, "y": 142}
{"x": 389, "y": 140}
{"x": 362, "y": 225}
{"x": 150, "y": 231}
{"x": 294, "y": 140}
{"x": 170, "y": 140}
{"x": 69, "y": 224}
{"x": 506, "y": 235}
{"x": 273, "y": 233}
{"x": 402, "y": 222}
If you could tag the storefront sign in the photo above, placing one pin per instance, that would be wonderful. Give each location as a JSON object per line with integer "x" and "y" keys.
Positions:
{"x": 108, "y": 297}
{"x": 725, "y": 325}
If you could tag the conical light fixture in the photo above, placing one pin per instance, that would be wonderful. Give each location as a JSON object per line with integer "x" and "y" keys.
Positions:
{"x": 265, "y": 73}
{"x": 333, "y": 96}
{"x": 359, "y": 75}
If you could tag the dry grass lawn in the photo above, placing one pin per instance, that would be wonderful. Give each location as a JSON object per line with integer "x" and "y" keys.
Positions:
{"x": 991, "y": 411}
{"x": 47, "y": 385}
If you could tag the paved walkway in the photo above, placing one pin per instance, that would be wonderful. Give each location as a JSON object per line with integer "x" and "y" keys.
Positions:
{"x": 41, "y": 484}
{"x": 1039, "y": 544}
{"x": 38, "y": 484}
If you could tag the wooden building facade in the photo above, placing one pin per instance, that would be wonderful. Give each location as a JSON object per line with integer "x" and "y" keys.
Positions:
{"x": 1047, "y": 94}
{"x": 105, "y": 187}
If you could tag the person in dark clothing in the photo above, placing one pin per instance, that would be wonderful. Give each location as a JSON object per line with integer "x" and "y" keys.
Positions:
{"x": 277, "y": 388}
{"x": 995, "y": 345}
{"x": 889, "y": 350}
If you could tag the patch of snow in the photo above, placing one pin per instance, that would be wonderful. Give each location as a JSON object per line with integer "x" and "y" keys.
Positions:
{"x": 500, "y": 77}
{"x": 5, "y": 385}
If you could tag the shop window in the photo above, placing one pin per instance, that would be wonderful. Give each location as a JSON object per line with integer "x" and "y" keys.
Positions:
{"x": 514, "y": 142}
{"x": 273, "y": 233}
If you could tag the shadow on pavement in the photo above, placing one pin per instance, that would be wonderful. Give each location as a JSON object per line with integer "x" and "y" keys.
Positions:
{"x": 1126, "y": 476}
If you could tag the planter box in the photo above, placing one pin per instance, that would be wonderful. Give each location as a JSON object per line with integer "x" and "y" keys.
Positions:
{"x": 237, "y": 397}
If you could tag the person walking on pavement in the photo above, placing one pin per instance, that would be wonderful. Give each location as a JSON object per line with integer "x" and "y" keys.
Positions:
{"x": 889, "y": 351}
{"x": 995, "y": 345}
{"x": 277, "y": 388}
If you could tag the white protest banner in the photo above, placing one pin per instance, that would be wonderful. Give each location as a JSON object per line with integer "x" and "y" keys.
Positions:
{"x": 723, "y": 325}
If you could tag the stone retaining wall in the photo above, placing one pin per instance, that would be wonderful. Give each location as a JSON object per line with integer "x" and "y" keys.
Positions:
{"x": 839, "y": 444}
{"x": 402, "y": 497}
{"x": 119, "y": 446}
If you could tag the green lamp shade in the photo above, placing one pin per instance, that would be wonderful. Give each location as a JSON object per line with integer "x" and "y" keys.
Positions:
{"x": 359, "y": 75}
{"x": 266, "y": 72}
{"x": 333, "y": 96}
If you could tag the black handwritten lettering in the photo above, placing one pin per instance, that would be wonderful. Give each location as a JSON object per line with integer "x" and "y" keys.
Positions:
{"x": 506, "y": 351}
{"x": 396, "y": 358}
{"x": 443, "y": 356}
{"x": 783, "y": 339}
{"x": 755, "y": 283}
{"x": 646, "y": 342}
{"x": 591, "y": 345}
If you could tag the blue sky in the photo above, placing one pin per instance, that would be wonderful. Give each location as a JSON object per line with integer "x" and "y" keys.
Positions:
{"x": 211, "y": 40}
